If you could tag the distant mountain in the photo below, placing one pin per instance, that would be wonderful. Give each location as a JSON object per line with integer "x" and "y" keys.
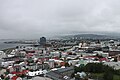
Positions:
{"x": 88, "y": 36}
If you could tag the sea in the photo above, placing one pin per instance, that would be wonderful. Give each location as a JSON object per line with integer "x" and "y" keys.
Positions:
{"x": 10, "y": 45}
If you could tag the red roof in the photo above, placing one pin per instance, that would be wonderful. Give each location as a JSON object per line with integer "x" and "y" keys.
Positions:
{"x": 14, "y": 77}
{"x": 30, "y": 51}
{"x": 29, "y": 54}
{"x": 90, "y": 57}
{"x": 56, "y": 58}
{"x": 103, "y": 59}
{"x": 23, "y": 72}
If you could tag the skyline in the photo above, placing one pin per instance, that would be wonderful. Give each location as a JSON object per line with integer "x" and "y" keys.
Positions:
{"x": 34, "y": 18}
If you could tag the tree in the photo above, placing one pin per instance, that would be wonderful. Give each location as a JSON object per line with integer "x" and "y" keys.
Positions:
{"x": 77, "y": 77}
{"x": 108, "y": 75}
{"x": 93, "y": 67}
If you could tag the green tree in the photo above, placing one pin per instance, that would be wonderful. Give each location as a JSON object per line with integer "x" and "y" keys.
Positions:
{"x": 77, "y": 77}
{"x": 108, "y": 75}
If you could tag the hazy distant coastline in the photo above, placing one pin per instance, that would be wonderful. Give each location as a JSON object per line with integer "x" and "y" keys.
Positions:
{"x": 5, "y": 46}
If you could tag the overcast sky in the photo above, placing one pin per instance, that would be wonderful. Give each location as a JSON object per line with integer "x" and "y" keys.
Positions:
{"x": 35, "y": 18}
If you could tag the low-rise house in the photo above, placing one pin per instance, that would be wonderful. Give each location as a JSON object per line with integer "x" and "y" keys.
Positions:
{"x": 81, "y": 75}
{"x": 118, "y": 57}
{"x": 59, "y": 62}
{"x": 73, "y": 62}
{"x": 35, "y": 73}
{"x": 7, "y": 63}
{"x": 10, "y": 69}
{"x": 61, "y": 73}
{"x": 104, "y": 60}
{"x": 41, "y": 78}
{"x": 10, "y": 55}
{"x": 2, "y": 54}
{"x": 115, "y": 65}
{"x": 23, "y": 72}
{"x": 17, "y": 67}
{"x": 55, "y": 53}
{"x": 43, "y": 66}
{"x": 16, "y": 78}
{"x": 20, "y": 53}
{"x": 14, "y": 58}
{"x": 51, "y": 63}
{"x": 82, "y": 62}
{"x": 36, "y": 66}
{"x": 101, "y": 53}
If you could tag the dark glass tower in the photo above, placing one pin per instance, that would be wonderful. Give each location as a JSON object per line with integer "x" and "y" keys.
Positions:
{"x": 42, "y": 41}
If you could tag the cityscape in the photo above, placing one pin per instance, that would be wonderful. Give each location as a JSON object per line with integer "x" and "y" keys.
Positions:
{"x": 59, "y": 40}
{"x": 62, "y": 59}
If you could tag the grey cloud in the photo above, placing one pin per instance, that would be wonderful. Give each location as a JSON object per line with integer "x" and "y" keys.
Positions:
{"x": 34, "y": 18}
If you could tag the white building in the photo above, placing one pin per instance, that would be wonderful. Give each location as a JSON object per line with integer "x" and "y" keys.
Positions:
{"x": 2, "y": 54}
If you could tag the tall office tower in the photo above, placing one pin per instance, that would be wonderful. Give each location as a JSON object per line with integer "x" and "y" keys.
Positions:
{"x": 42, "y": 41}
